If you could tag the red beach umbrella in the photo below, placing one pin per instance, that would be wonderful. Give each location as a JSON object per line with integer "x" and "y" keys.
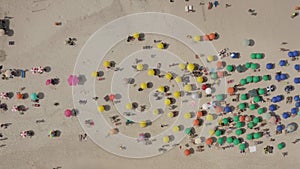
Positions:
{"x": 112, "y": 97}
{"x": 204, "y": 87}
{"x": 196, "y": 122}
{"x": 242, "y": 118}
{"x": 187, "y": 152}
{"x": 68, "y": 113}
{"x": 212, "y": 36}
{"x": 209, "y": 141}
{"x": 48, "y": 82}
{"x": 199, "y": 114}
{"x": 19, "y": 96}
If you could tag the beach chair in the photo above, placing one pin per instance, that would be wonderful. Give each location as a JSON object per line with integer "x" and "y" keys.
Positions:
{"x": 22, "y": 73}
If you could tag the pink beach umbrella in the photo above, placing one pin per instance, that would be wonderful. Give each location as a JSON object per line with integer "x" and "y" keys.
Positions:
{"x": 3, "y": 95}
{"x": 73, "y": 80}
{"x": 68, "y": 113}
{"x": 48, "y": 82}
{"x": 15, "y": 108}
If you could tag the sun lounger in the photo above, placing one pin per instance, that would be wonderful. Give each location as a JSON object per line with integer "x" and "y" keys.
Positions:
{"x": 22, "y": 73}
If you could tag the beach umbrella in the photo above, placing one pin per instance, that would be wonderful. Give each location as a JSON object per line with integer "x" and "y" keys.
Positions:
{"x": 161, "y": 89}
{"x": 209, "y": 141}
{"x": 208, "y": 91}
{"x": 261, "y": 91}
{"x": 256, "y": 120}
{"x": 68, "y": 113}
{"x": 139, "y": 66}
{"x": 199, "y": 114}
{"x": 219, "y": 97}
{"x": 178, "y": 79}
{"x": 279, "y": 128}
{"x": 248, "y": 65}
{"x": 266, "y": 77}
{"x": 187, "y": 115}
{"x": 101, "y": 108}
{"x": 253, "y": 55}
{"x": 297, "y": 98}
{"x": 7, "y": 73}
{"x": 257, "y": 135}
{"x": 259, "y": 56}
{"x": 187, "y": 87}
{"x": 297, "y": 67}
{"x": 229, "y": 140}
{"x": 218, "y": 109}
{"x": 253, "y": 93}
{"x": 296, "y": 80}
{"x": 242, "y": 106}
{"x": 188, "y": 131}
{"x": 274, "y": 99}
{"x": 48, "y": 82}
{"x": 227, "y": 109}
{"x": 243, "y": 81}
{"x": 243, "y": 97}
{"x": 249, "y": 79}
{"x": 285, "y": 115}
{"x": 230, "y": 90}
{"x": 256, "y": 79}
{"x": 209, "y": 117}
{"x": 204, "y": 87}
{"x": 176, "y": 128}
{"x": 294, "y": 110}
{"x": 136, "y": 35}
{"x": 34, "y": 97}
{"x": 291, "y": 127}
{"x": 198, "y": 141}
{"x": 242, "y": 118}
{"x": 242, "y": 146}
{"x": 297, "y": 104}
{"x": 200, "y": 79}
{"x": 167, "y": 101}
{"x": 181, "y": 66}
{"x": 236, "y": 118}
{"x": 218, "y": 133}
{"x": 249, "y": 136}
{"x": 206, "y": 37}
{"x": 197, "y": 38}
{"x": 94, "y": 74}
{"x": 220, "y": 140}
{"x": 248, "y": 118}
{"x": 240, "y": 68}
{"x": 280, "y": 146}
{"x": 250, "y": 125}
{"x": 176, "y": 94}
{"x": 291, "y": 54}
{"x": 187, "y": 152}
{"x": 214, "y": 75}
{"x": 283, "y": 76}
{"x": 272, "y": 107}
{"x": 238, "y": 132}
{"x": 219, "y": 64}
{"x": 269, "y": 66}
{"x": 129, "y": 106}
{"x": 160, "y": 45}
{"x": 205, "y": 106}
{"x": 191, "y": 67}
{"x": 239, "y": 125}
{"x": 73, "y": 80}
{"x": 151, "y": 72}
{"x": 296, "y": 53}
{"x": 266, "y": 116}
{"x": 282, "y": 62}
{"x": 277, "y": 77}
{"x": 229, "y": 68}
{"x": 106, "y": 64}
{"x": 143, "y": 124}
{"x": 254, "y": 66}
{"x": 236, "y": 141}
{"x": 155, "y": 111}
{"x": 261, "y": 110}
{"x": 257, "y": 99}
{"x": 196, "y": 122}
{"x": 225, "y": 121}
{"x": 166, "y": 139}
{"x": 19, "y": 96}
{"x": 211, "y": 132}
{"x": 210, "y": 58}
{"x": 212, "y": 36}
{"x": 171, "y": 114}
{"x": 143, "y": 85}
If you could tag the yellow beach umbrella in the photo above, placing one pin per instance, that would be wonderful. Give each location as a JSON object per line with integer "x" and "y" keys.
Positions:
{"x": 143, "y": 124}
{"x": 176, "y": 94}
{"x": 160, "y": 46}
{"x": 143, "y": 85}
{"x": 166, "y": 139}
{"x": 101, "y": 108}
{"x": 94, "y": 74}
{"x": 200, "y": 79}
{"x": 170, "y": 114}
{"x": 106, "y": 64}
{"x": 151, "y": 72}
{"x": 209, "y": 117}
{"x": 161, "y": 89}
{"x": 211, "y": 132}
{"x": 210, "y": 58}
{"x": 197, "y": 38}
{"x": 190, "y": 67}
{"x": 136, "y": 35}
{"x": 168, "y": 76}
{"x": 176, "y": 128}
{"x": 167, "y": 102}
{"x": 187, "y": 87}
{"x": 139, "y": 66}
{"x": 178, "y": 79}
{"x": 187, "y": 115}
{"x": 129, "y": 106}
{"x": 155, "y": 112}
{"x": 181, "y": 66}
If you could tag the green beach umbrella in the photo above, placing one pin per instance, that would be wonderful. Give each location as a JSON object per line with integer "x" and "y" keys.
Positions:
{"x": 261, "y": 91}
{"x": 261, "y": 110}
{"x": 220, "y": 140}
{"x": 236, "y": 141}
{"x": 242, "y": 146}
{"x": 243, "y": 97}
{"x": 236, "y": 118}
{"x": 225, "y": 120}
{"x": 256, "y": 120}
{"x": 252, "y": 93}
{"x": 187, "y": 131}
{"x": 266, "y": 77}
{"x": 213, "y": 75}
{"x": 248, "y": 65}
{"x": 229, "y": 68}
{"x": 257, "y": 135}
{"x": 252, "y": 107}
{"x": 240, "y": 68}
{"x": 253, "y": 56}
{"x": 249, "y": 79}
{"x": 218, "y": 133}
{"x": 257, "y": 99}
{"x": 34, "y": 97}
{"x": 238, "y": 132}
{"x": 254, "y": 66}
{"x": 249, "y": 136}
{"x": 250, "y": 125}
{"x": 256, "y": 79}
{"x": 219, "y": 97}
{"x": 239, "y": 124}
{"x": 280, "y": 145}
{"x": 243, "y": 81}
{"x": 259, "y": 56}
{"x": 229, "y": 140}
{"x": 242, "y": 106}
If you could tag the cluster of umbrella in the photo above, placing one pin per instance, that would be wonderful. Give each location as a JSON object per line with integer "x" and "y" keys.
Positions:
{"x": 73, "y": 80}
{"x": 281, "y": 76}
{"x": 256, "y": 56}
{"x": 70, "y": 113}
{"x": 293, "y": 54}
{"x": 209, "y": 37}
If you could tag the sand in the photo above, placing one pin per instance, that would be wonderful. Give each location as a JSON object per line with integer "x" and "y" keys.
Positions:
{"x": 39, "y": 42}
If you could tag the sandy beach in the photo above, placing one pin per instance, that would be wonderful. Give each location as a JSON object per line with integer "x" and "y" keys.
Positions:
{"x": 40, "y": 30}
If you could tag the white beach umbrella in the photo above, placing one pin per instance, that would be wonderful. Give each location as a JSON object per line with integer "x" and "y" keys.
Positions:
{"x": 208, "y": 90}
{"x": 205, "y": 106}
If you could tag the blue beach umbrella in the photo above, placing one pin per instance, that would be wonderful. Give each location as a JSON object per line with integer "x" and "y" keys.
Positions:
{"x": 277, "y": 77}
{"x": 296, "y": 53}
{"x": 227, "y": 109}
{"x": 297, "y": 98}
{"x": 296, "y": 80}
{"x": 291, "y": 54}
{"x": 269, "y": 66}
{"x": 282, "y": 62}
{"x": 297, "y": 67}
{"x": 285, "y": 115}
{"x": 283, "y": 76}
{"x": 279, "y": 128}
{"x": 297, "y": 104}
{"x": 272, "y": 107}
{"x": 294, "y": 111}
